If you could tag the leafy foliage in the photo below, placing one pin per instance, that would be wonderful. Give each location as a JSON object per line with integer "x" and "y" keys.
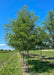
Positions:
{"x": 19, "y": 33}
{"x": 49, "y": 26}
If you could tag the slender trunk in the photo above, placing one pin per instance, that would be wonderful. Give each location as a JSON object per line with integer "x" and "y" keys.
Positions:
{"x": 21, "y": 54}
{"x": 25, "y": 56}
{"x": 28, "y": 59}
{"x": 40, "y": 53}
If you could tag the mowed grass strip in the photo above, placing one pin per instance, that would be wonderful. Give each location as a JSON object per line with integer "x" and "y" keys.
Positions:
{"x": 12, "y": 67}
{"x": 44, "y": 53}
{"x": 39, "y": 67}
{"x": 5, "y": 56}
{"x": 48, "y": 54}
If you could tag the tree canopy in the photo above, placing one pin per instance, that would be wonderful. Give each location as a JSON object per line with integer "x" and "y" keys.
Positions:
{"x": 20, "y": 31}
{"x": 49, "y": 26}
{"x": 23, "y": 32}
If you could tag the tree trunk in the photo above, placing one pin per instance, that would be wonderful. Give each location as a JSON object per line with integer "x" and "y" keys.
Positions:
{"x": 28, "y": 59}
{"x": 40, "y": 53}
{"x": 25, "y": 56}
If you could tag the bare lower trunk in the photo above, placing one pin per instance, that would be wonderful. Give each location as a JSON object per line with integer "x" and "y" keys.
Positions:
{"x": 28, "y": 59}
{"x": 25, "y": 56}
{"x": 40, "y": 54}
{"x": 22, "y": 56}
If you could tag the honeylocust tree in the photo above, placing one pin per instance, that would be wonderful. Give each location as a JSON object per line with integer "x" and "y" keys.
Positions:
{"x": 20, "y": 31}
{"x": 49, "y": 25}
{"x": 41, "y": 38}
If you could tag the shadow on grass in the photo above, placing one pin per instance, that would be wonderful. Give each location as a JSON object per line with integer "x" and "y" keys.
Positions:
{"x": 40, "y": 66}
{"x": 25, "y": 55}
{"x": 34, "y": 55}
{"x": 50, "y": 58}
{"x": 31, "y": 55}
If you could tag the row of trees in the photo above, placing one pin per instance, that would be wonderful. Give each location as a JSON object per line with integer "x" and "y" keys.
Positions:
{"x": 4, "y": 50}
{"x": 23, "y": 32}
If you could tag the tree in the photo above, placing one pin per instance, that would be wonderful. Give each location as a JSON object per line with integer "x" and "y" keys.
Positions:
{"x": 41, "y": 38}
{"x": 49, "y": 25}
{"x": 20, "y": 31}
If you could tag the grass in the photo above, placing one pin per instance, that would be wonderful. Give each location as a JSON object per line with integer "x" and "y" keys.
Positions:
{"x": 36, "y": 66}
{"x": 12, "y": 67}
{"x": 49, "y": 54}
{"x": 44, "y": 53}
{"x": 40, "y": 67}
{"x": 5, "y": 56}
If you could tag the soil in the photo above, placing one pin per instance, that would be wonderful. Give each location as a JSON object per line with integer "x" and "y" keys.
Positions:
{"x": 24, "y": 66}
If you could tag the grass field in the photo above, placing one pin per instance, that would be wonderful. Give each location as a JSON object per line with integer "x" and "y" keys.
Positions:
{"x": 5, "y": 56}
{"x": 48, "y": 54}
{"x": 39, "y": 67}
{"x": 36, "y": 66}
{"x": 44, "y": 53}
{"x": 12, "y": 67}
